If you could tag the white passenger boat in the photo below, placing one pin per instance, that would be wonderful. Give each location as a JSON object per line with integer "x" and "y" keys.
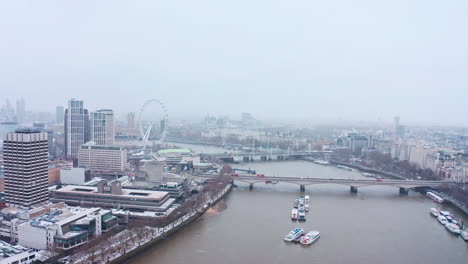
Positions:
{"x": 294, "y": 214}
{"x": 344, "y": 167}
{"x": 296, "y": 202}
{"x": 294, "y": 234}
{"x": 434, "y": 212}
{"x": 301, "y": 215}
{"x": 368, "y": 174}
{"x": 453, "y": 228}
{"x": 442, "y": 219}
{"x": 306, "y": 203}
{"x": 464, "y": 234}
{"x": 450, "y": 219}
{"x": 445, "y": 213}
{"x": 322, "y": 162}
{"x": 435, "y": 197}
{"x": 310, "y": 237}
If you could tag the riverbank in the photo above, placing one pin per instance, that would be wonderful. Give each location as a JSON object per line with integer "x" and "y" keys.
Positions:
{"x": 171, "y": 228}
{"x": 368, "y": 170}
{"x": 447, "y": 197}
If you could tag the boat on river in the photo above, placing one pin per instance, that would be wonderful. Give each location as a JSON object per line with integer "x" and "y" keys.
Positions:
{"x": 301, "y": 215}
{"x": 344, "y": 167}
{"x": 296, "y": 202}
{"x": 453, "y": 228}
{"x": 294, "y": 214}
{"x": 436, "y": 198}
{"x": 442, "y": 219}
{"x": 294, "y": 234}
{"x": 310, "y": 237}
{"x": 464, "y": 234}
{"x": 445, "y": 213}
{"x": 322, "y": 162}
{"x": 434, "y": 212}
{"x": 306, "y": 203}
{"x": 365, "y": 174}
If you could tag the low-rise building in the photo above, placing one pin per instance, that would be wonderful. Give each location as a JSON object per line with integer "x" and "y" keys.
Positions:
{"x": 110, "y": 194}
{"x": 75, "y": 176}
{"x": 65, "y": 228}
{"x": 53, "y": 174}
{"x": 10, "y": 254}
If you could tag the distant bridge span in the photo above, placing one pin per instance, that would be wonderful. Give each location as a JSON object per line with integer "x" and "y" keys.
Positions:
{"x": 404, "y": 185}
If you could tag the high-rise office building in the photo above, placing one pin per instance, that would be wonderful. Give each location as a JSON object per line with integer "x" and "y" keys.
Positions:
{"x": 102, "y": 127}
{"x": 25, "y": 157}
{"x": 20, "y": 110}
{"x": 76, "y": 127}
{"x": 131, "y": 121}
{"x": 399, "y": 130}
{"x": 59, "y": 114}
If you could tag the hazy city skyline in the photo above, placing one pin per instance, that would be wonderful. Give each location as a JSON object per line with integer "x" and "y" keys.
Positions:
{"x": 308, "y": 61}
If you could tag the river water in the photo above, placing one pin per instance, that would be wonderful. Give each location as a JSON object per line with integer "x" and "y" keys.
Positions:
{"x": 376, "y": 225}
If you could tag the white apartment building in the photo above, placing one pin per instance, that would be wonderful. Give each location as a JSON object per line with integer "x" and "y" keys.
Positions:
{"x": 419, "y": 153}
{"x": 96, "y": 157}
{"x": 65, "y": 227}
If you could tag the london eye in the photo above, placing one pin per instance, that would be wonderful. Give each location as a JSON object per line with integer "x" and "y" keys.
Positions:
{"x": 152, "y": 122}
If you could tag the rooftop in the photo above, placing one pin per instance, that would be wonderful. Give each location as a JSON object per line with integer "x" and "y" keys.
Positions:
{"x": 7, "y": 250}
{"x": 169, "y": 151}
{"x": 27, "y": 130}
{"x": 129, "y": 193}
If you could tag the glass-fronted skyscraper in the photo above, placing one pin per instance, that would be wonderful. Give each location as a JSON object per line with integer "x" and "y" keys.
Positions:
{"x": 102, "y": 127}
{"x": 76, "y": 127}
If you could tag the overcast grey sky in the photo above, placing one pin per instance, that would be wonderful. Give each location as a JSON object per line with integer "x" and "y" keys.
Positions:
{"x": 303, "y": 60}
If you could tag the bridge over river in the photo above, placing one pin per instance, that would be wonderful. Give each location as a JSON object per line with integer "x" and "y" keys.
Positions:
{"x": 403, "y": 185}
{"x": 263, "y": 156}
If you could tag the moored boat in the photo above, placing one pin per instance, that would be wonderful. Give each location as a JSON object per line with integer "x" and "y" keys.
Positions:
{"x": 464, "y": 234}
{"x": 296, "y": 202}
{"x": 434, "y": 212}
{"x": 322, "y": 162}
{"x": 453, "y": 228}
{"x": 294, "y": 234}
{"x": 445, "y": 213}
{"x": 442, "y": 219}
{"x": 301, "y": 215}
{"x": 306, "y": 203}
{"x": 344, "y": 167}
{"x": 435, "y": 197}
{"x": 294, "y": 214}
{"x": 310, "y": 237}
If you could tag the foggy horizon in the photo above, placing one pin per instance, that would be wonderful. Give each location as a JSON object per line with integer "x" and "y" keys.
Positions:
{"x": 310, "y": 62}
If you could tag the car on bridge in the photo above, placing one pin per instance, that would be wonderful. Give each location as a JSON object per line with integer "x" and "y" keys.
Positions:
{"x": 261, "y": 175}
{"x": 235, "y": 174}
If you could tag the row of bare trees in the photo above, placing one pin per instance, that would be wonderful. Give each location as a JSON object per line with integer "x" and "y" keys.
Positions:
{"x": 401, "y": 167}
{"x": 141, "y": 229}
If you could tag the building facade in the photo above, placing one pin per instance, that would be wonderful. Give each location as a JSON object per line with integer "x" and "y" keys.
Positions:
{"x": 76, "y": 127}
{"x": 25, "y": 157}
{"x": 59, "y": 114}
{"x": 64, "y": 227}
{"x": 112, "y": 195}
{"x": 95, "y": 157}
{"x": 103, "y": 127}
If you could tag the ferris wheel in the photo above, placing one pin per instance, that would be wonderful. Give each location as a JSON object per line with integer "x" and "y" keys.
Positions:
{"x": 153, "y": 120}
